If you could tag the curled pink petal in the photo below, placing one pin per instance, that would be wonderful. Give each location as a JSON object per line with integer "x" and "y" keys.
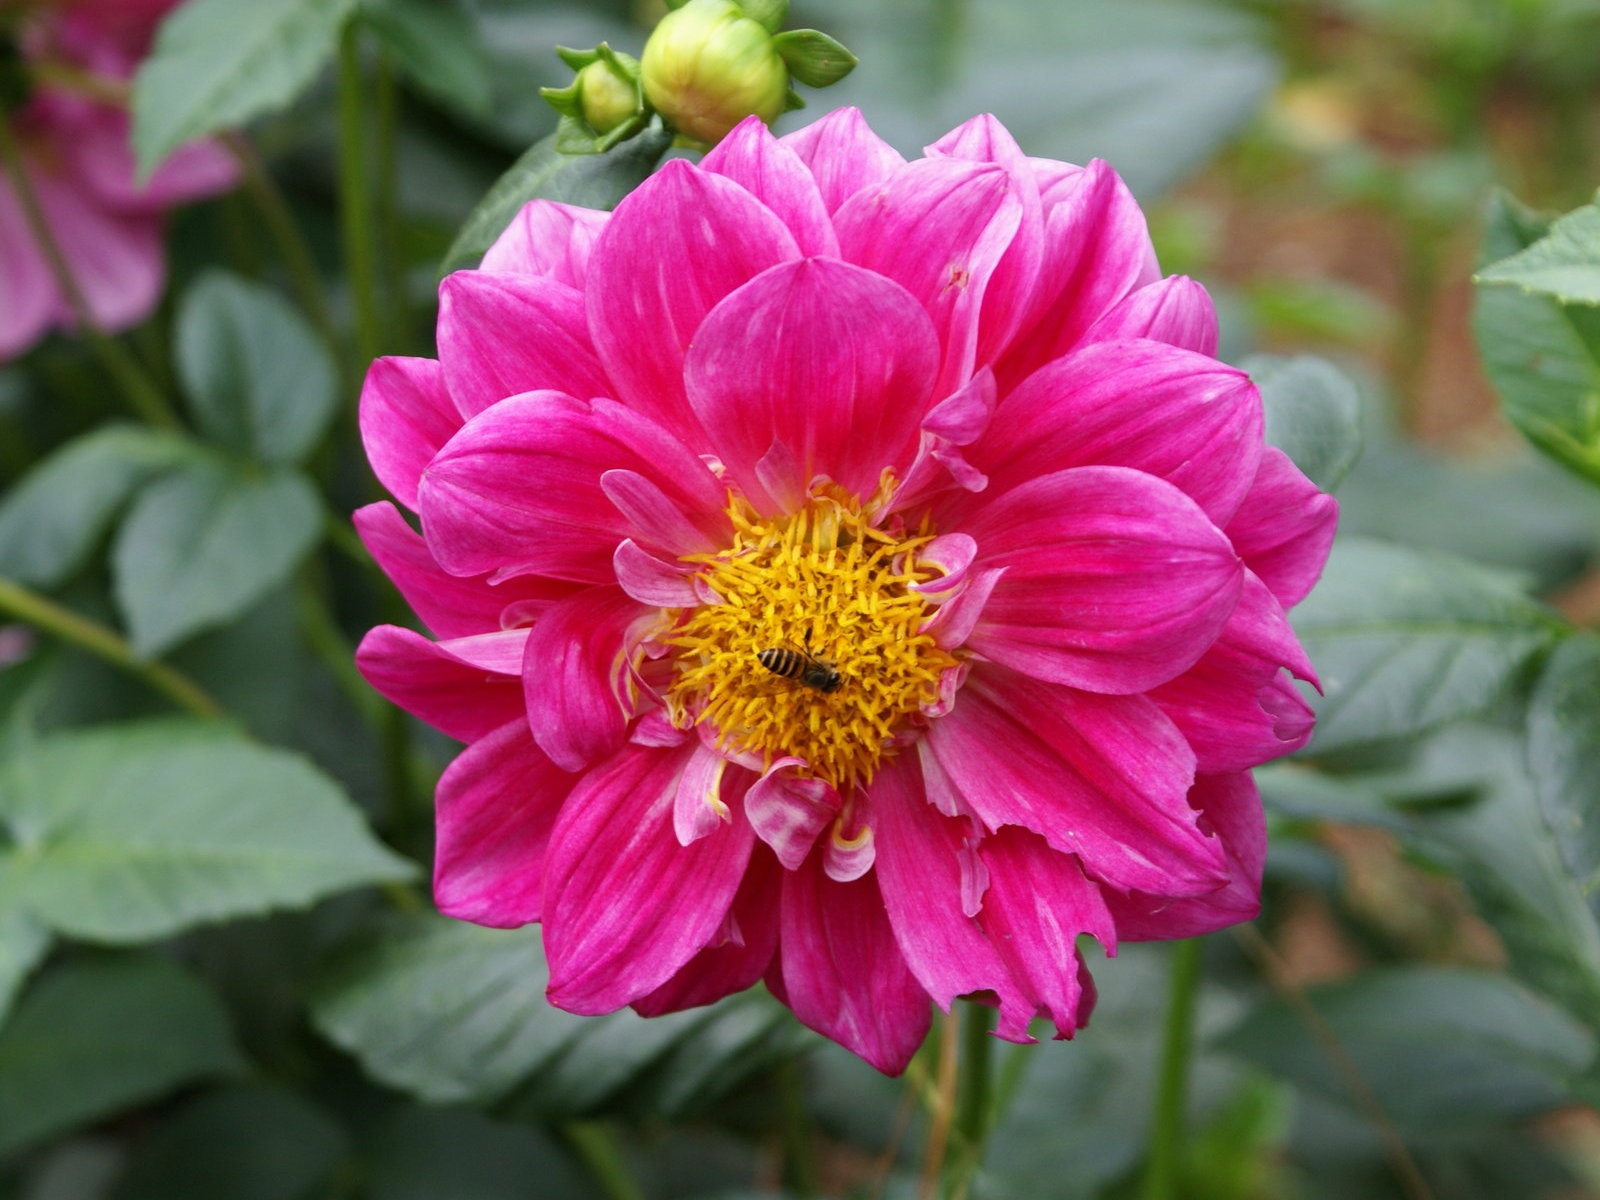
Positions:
{"x": 574, "y": 675}
{"x": 788, "y": 808}
{"x": 458, "y": 697}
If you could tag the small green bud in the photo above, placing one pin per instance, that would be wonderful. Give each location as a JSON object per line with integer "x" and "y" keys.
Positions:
{"x": 607, "y": 97}
{"x": 603, "y": 104}
{"x": 708, "y": 66}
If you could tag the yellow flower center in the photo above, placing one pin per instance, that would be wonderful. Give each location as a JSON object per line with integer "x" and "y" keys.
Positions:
{"x": 815, "y": 650}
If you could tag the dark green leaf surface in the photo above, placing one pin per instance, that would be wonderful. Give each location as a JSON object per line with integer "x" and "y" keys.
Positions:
{"x": 93, "y": 1038}
{"x": 587, "y": 180}
{"x": 204, "y": 544}
{"x": 53, "y": 519}
{"x": 240, "y": 1143}
{"x": 1313, "y": 414}
{"x": 429, "y": 1153}
{"x": 1407, "y": 640}
{"x": 23, "y": 941}
{"x": 1564, "y": 264}
{"x": 257, "y": 379}
{"x": 1564, "y": 758}
{"x": 436, "y": 45}
{"x": 1438, "y": 1047}
{"x": 1543, "y": 356}
{"x": 133, "y": 832}
{"x": 220, "y": 63}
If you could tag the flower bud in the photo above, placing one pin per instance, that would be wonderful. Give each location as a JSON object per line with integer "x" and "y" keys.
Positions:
{"x": 607, "y": 97}
{"x": 603, "y": 105}
{"x": 707, "y": 66}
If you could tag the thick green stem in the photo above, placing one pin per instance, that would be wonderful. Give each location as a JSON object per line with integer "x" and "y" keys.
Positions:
{"x": 1172, "y": 1096}
{"x": 49, "y": 617}
{"x": 142, "y": 393}
{"x": 355, "y": 196}
{"x": 974, "y": 1099}
{"x": 592, "y": 1143}
{"x": 800, "y": 1173}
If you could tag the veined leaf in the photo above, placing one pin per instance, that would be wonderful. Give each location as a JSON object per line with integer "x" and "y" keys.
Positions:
{"x": 1313, "y": 414}
{"x": 1564, "y": 264}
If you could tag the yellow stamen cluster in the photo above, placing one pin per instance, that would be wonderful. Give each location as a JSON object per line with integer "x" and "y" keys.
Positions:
{"x": 828, "y": 585}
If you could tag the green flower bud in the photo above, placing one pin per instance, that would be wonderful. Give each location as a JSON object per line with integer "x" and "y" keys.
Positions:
{"x": 707, "y": 66}
{"x": 607, "y": 98}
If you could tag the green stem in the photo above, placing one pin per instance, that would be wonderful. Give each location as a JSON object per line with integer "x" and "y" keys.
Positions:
{"x": 974, "y": 1096}
{"x": 1166, "y": 1142}
{"x": 355, "y": 196}
{"x": 106, "y": 644}
{"x": 328, "y": 642}
{"x": 800, "y": 1174}
{"x": 144, "y": 396}
{"x": 593, "y": 1144}
{"x": 397, "y": 310}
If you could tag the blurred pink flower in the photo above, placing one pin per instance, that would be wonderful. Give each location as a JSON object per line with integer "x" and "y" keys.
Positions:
{"x": 849, "y": 573}
{"x": 79, "y": 56}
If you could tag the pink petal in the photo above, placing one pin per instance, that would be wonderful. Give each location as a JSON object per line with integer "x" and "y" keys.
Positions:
{"x": 1231, "y": 807}
{"x": 843, "y": 154}
{"x": 683, "y": 240}
{"x": 502, "y": 335}
{"x": 1102, "y": 777}
{"x": 1233, "y": 705}
{"x": 1285, "y": 527}
{"x": 698, "y": 809}
{"x": 1175, "y": 310}
{"x": 575, "y": 675}
{"x": 788, "y": 362}
{"x": 774, "y": 175}
{"x": 952, "y": 625}
{"x": 1037, "y": 905}
{"x": 1168, "y": 412}
{"x": 788, "y": 808}
{"x": 1096, "y": 250}
{"x": 626, "y": 906}
{"x": 938, "y": 227}
{"x": 547, "y": 238}
{"x": 451, "y": 607}
{"x": 406, "y": 416}
{"x": 651, "y": 579}
{"x": 497, "y": 803}
{"x": 841, "y": 971}
{"x": 739, "y": 960}
{"x": 920, "y": 869}
{"x": 438, "y": 684}
{"x": 115, "y": 259}
{"x": 1114, "y": 580}
{"x": 25, "y": 281}
{"x": 101, "y": 153}
{"x": 518, "y": 490}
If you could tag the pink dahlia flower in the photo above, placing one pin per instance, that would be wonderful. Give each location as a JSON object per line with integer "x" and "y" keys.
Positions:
{"x": 851, "y": 573}
{"x": 75, "y": 58}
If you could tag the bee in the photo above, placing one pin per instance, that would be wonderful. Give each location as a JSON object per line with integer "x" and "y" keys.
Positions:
{"x": 801, "y": 665}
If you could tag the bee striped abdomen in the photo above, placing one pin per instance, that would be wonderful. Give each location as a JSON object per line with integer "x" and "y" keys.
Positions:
{"x": 803, "y": 668}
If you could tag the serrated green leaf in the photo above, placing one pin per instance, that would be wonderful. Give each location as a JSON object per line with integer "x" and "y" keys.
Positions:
{"x": 203, "y": 544}
{"x": 443, "y": 1010}
{"x": 1564, "y": 757}
{"x": 1313, "y": 414}
{"x": 588, "y": 180}
{"x": 220, "y": 63}
{"x": 1439, "y": 1048}
{"x": 1542, "y": 356}
{"x": 242, "y": 1143}
{"x": 436, "y": 46}
{"x": 137, "y": 831}
{"x": 1564, "y": 264}
{"x": 92, "y": 1038}
{"x": 258, "y": 380}
{"x": 52, "y": 520}
{"x": 1407, "y": 640}
{"x": 814, "y": 58}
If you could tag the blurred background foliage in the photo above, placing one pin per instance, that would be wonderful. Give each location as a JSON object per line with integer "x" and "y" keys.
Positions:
{"x": 1416, "y": 1012}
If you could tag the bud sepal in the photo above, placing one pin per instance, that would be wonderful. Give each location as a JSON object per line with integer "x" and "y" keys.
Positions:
{"x": 603, "y": 105}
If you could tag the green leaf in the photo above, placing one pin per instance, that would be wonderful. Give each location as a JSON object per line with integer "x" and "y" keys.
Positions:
{"x": 1440, "y": 1048}
{"x": 23, "y": 942}
{"x": 1543, "y": 356}
{"x": 243, "y": 1143}
{"x": 814, "y": 58}
{"x": 1564, "y": 757}
{"x": 1407, "y": 640}
{"x": 444, "y": 1010}
{"x": 430, "y": 1153}
{"x": 1313, "y": 414}
{"x": 436, "y": 45}
{"x": 770, "y": 13}
{"x": 137, "y": 831}
{"x": 258, "y": 380}
{"x": 205, "y": 543}
{"x": 51, "y": 522}
{"x": 1564, "y": 264}
{"x": 220, "y": 63}
{"x": 93, "y": 1038}
{"x": 587, "y": 180}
